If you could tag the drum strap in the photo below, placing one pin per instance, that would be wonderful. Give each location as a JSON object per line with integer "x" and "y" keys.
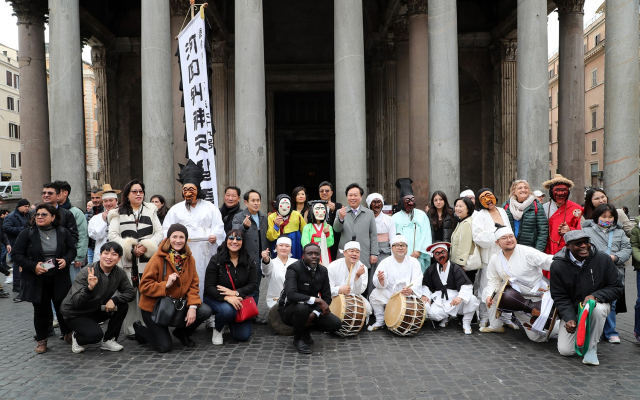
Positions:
{"x": 545, "y": 313}
{"x": 512, "y": 279}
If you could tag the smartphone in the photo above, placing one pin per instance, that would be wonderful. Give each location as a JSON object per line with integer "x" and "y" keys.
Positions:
{"x": 48, "y": 264}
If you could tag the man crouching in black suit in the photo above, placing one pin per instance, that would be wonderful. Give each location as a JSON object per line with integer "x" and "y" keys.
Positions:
{"x": 304, "y": 302}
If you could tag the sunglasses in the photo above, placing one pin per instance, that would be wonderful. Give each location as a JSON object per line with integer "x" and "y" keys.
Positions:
{"x": 238, "y": 238}
{"x": 137, "y": 191}
{"x": 42, "y": 215}
{"x": 45, "y": 193}
{"x": 580, "y": 243}
{"x": 325, "y": 190}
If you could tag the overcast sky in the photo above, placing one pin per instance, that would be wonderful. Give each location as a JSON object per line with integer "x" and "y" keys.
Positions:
{"x": 9, "y": 29}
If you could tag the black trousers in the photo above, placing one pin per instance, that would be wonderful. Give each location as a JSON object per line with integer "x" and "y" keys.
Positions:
{"x": 296, "y": 315}
{"x": 159, "y": 336}
{"x": 88, "y": 331}
{"x": 42, "y": 313}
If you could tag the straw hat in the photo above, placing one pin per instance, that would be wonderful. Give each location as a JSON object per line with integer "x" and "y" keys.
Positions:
{"x": 557, "y": 180}
{"x": 106, "y": 188}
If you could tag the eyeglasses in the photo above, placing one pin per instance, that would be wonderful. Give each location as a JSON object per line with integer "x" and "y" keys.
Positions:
{"x": 45, "y": 193}
{"x": 137, "y": 191}
{"x": 400, "y": 246}
{"x": 325, "y": 190}
{"x": 42, "y": 215}
{"x": 237, "y": 238}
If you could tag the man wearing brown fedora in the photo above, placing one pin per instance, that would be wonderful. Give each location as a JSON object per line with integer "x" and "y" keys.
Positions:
{"x": 98, "y": 226}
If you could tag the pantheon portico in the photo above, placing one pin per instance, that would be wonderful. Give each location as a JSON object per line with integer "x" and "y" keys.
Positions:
{"x": 450, "y": 93}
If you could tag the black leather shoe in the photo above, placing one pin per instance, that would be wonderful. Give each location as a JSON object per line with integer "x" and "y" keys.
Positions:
{"x": 137, "y": 337}
{"x": 302, "y": 347}
{"x": 306, "y": 337}
{"x": 184, "y": 339}
{"x": 259, "y": 321}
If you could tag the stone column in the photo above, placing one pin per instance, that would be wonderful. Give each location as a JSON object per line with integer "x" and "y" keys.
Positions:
{"x": 231, "y": 115}
{"x": 444, "y": 103}
{"x": 219, "y": 112}
{"x": 68, "y": 160}
{"x": 419, "y": 100}
{"x": 157, "y": 105}
{"x": 377, "y": 177}
{"x": 348, "y": 46}
{"x": 505, "y": 117}
{"x": 178, "y": 9}
{"x": 251, "y": 141}
{"x": 389, "y": 145}
{"x": 621, "y": 121}
{"x": 400, "y": 29}
{"x": 34, "y": 128}
{"x": 99, "y": 66}
{"x": 533, "y": 92}
{"x": 571, "y": 152}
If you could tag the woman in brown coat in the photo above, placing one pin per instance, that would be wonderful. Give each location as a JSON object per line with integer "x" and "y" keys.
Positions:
{"x": 180, "y": 282}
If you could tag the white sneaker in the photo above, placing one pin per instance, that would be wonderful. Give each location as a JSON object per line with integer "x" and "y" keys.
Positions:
{"x": 111, "y": 345}
{"x": 216, "y": 338}
{"x": 75, "y": 347}
{"x": 9, "y": 279}
{"x": 467, "y": 329}
{"x": 210, "y": 322}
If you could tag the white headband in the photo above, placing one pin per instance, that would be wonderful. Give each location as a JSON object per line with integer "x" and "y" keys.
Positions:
{"x": 398, "y": 239}
{"x": 467, "y": 193}
{"x": 440, "y": 246}
{"x": 505, "y": 230}
{"x": 283, "y": 240}
{"x": 352, "y": 245}
{"x": 372, "y": 197}
{"x": 109, "y": 195}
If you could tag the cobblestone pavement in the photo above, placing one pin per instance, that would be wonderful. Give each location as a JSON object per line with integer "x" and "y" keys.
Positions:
{"x": 437, "y": 363}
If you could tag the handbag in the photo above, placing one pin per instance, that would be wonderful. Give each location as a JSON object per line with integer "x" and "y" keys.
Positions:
{"x": 474, "y": 262}
{"x": 169, "y": 311}
{"x": 249, "y": 308}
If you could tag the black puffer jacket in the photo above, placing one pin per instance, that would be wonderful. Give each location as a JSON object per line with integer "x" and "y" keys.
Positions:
{"x": 534, "y": 227}
{"x": 448, "y": 226}
{"x": 570, "y": 283}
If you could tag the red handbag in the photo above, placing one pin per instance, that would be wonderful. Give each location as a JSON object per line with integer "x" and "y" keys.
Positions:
{"x": 249, "y": 308}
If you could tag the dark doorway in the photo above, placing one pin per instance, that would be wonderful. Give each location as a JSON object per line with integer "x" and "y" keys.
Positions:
{"x": 304, "y": 140}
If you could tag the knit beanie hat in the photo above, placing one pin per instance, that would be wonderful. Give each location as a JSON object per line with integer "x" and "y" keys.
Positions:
{"x": 23, "y": 202}
{"x": 178, "y": 228}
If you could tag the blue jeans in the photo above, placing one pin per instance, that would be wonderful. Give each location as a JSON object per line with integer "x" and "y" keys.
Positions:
{"x": 610, "y": 323}
{"x": 89, "y": 256}
{"x": 73, "y": 271}
{"x": 226, "y": 315}
{"x": 636, "y": 328}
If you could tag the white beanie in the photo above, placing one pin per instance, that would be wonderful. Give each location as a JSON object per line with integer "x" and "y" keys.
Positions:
{"x": 372, "y": 197}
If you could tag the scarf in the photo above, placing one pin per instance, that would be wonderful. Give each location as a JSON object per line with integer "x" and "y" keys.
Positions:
{"x": 177, "y": 259}
{"x": 517, "y": 208}
{"x": 225, "y": 211}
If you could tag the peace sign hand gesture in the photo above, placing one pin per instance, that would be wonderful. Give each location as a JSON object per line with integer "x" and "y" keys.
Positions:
{"x": 92, "y": 280}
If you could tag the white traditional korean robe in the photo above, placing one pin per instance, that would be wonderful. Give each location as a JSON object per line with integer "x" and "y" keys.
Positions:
{"x": 275, "y": 271}
{"x": 339, "y": 276}
{"x": 525, "y": 268}
{"x": 417, "y": 230}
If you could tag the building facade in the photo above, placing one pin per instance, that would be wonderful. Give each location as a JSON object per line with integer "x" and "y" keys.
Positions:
{"x": 10, "y": 155}
{"x": 349, "y": 91}
{"x": 594, "y": 103}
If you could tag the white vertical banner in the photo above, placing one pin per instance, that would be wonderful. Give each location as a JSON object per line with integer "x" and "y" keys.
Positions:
{"x": 197, "y": 107}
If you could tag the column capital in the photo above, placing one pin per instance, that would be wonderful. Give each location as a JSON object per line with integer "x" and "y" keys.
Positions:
{"x": 219, "y": 53}
{"x": 179, "y": 8}
{"x": 98, "y": 57}
{"x": 570, "y": 6}
{"x": 508, "y": 50}
{"x": 400, "y": 29}
{"x": 30, "y": 12}
{"x": 416, "y": 6}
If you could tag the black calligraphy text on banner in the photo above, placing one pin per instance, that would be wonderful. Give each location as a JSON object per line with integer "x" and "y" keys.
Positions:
{"x": 197, "y": 108}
